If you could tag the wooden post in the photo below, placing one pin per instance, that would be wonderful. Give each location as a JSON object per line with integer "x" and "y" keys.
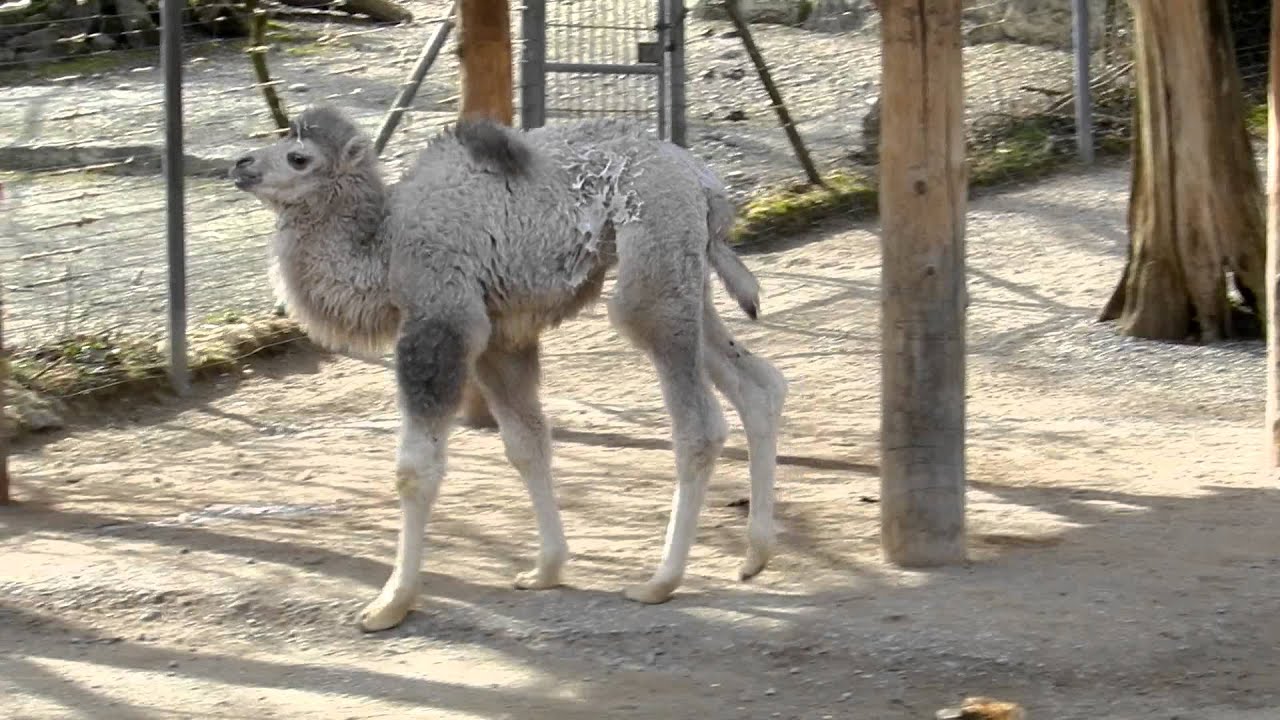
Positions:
{"x": 923, "y": 195}
{"x": 484, "y": 51}
{"x": 484, "y": 54}
{"x": 1273, "y": 244}
{"x": 4, "y": 421}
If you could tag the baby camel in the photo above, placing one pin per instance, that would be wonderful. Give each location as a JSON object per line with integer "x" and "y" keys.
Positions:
{"x": 493, "y": 236}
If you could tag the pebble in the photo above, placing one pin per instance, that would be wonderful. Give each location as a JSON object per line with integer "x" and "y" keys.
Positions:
{"x": 299, "y": 87}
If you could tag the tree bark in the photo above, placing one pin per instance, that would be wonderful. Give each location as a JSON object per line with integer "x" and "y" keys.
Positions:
{"x": 1273, "y": 247}
{"x": 1195, "y": 211}
{"x": 923, "y": 197}
{"x": 485, "y": 73}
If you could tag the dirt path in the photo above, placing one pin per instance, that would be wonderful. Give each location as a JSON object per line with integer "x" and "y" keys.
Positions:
{"x": 205, "y": 559}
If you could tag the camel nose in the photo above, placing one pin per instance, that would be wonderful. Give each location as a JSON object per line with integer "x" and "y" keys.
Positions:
{"x": 244, "y": 174}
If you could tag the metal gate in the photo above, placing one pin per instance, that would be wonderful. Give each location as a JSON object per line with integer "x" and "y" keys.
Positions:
{"x": 610, "y": 57}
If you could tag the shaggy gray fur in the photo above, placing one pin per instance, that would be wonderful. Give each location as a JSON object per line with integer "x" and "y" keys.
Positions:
{"x": 493, "y": 145}
{"x": 492, "y": 237}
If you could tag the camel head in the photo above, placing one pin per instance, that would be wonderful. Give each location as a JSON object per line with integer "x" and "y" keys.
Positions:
{"x": 321, "y": 149}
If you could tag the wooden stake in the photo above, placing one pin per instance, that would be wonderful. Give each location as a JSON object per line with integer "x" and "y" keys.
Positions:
{"x": 923, "y": 186}
{"x": 1273, "y": 245}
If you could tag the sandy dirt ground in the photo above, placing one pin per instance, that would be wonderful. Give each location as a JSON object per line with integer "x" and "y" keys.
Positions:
{"x": 205, "y": 558}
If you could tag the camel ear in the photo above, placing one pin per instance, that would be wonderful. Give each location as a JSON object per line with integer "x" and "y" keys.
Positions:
{"x": 356, "y": 150}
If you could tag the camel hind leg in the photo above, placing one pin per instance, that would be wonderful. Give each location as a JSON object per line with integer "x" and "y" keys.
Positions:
{"x": 757, "y": 390}
{"x": 509, "y": 380}
{"x": 657, "y": 305}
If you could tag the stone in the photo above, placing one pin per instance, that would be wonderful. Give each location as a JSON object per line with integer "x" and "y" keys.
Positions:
{"x": 764, "y": 12}
{"x": 101, "y": 42}
{"x": 40, "y": 43}
{"x": 1030, "y": 22}
{"x": 139, "y": 29}
{"x": 836, "y": 16}
{"x": 31, "y": 411}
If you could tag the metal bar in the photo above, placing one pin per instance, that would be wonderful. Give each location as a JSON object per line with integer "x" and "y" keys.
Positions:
{"x": 409, "y": 89}
{"x": 603, "y": 69}
{"x": 175, "y": 226}
{"x": 1084, "y": 98}
{"x": 663, "y": 89}
{"x": 779, "y": 107}
{"x": 533, "y": 64}
{"x": 674, "y": 60}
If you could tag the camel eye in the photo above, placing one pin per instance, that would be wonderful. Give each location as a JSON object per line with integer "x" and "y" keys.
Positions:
{"x": 297, "y": 161}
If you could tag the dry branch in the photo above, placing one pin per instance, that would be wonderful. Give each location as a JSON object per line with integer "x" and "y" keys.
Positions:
{"x": 258, "y": 57}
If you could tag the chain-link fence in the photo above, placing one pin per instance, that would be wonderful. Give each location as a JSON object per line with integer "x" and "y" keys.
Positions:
{"x": 82, "y": 132}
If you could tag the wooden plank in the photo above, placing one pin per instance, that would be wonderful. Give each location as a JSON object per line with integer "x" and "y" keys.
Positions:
{"x": 1273, "y": 245}
{"x": 923, "y": 199}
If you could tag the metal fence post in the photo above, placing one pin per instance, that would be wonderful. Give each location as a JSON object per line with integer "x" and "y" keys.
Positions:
{"x": 664, "y": 40}
{"x": 171, "y": 62}
{"x": 1084, "y": 98}
{"x": 673, "y": 65}
{"x": 533, "y": 64}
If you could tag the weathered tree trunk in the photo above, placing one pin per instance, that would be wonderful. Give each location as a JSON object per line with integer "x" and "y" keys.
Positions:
{"x": 922, "y": 213}
{"x": 484, "y": 54}
{"x": 1195, "y": 208}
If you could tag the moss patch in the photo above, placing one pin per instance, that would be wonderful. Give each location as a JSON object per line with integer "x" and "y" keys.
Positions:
{"x": 95, "y": 367}
{"x": 1255, "y": 119}
{"x": 1017, "y": 151}
{"x": 799, "y": 206}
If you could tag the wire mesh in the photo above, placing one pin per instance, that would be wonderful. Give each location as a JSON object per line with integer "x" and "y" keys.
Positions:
{"x": 82, "y": 240}
{"x": 601, "y": 32}
{"x": 81, "y": 131}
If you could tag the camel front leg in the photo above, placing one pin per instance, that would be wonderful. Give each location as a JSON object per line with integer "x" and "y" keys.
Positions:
{"x": 432, "y": 360}
{"x": 420, "y": 468}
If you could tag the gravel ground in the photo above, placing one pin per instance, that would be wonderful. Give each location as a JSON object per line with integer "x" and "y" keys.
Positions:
{"x": 205, "y": 558}
{"x": 86, "y": 251}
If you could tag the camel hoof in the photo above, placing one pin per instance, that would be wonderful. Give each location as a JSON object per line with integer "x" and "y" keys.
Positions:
{"x": 650, "y": 593}
{"x": 384, "y": 613}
